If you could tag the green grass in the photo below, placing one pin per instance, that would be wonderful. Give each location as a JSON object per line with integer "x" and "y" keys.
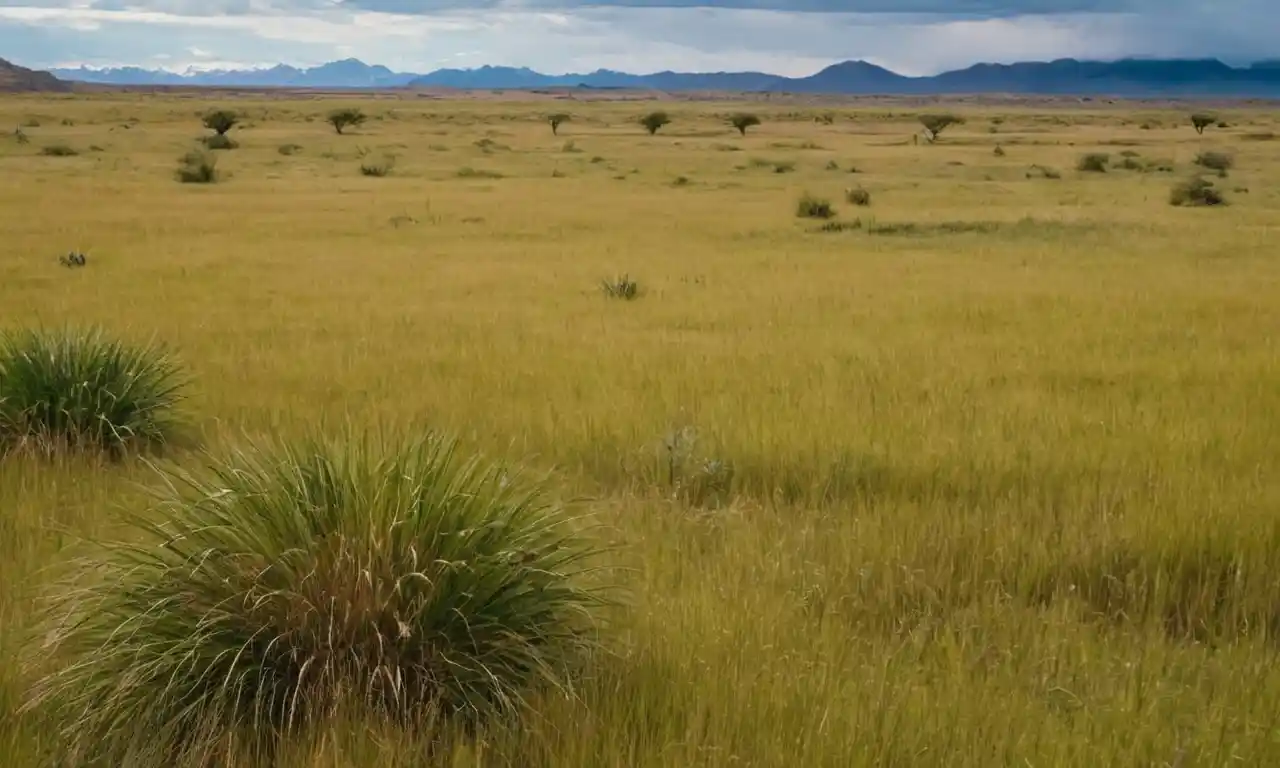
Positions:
{"x": 991, "y": 480}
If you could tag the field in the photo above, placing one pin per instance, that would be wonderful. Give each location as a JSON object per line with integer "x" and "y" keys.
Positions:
{"x": 984, "y": 473}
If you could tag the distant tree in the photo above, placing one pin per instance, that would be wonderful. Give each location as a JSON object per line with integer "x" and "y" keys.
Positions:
{"x": 934, "y": 125}
{"x": 744, "y": 121}
{"x": 1202, "y": 120}
{"x": 221, "y": 120}
{"x": 556, "y": 121}
{"x": 654, "y": 121}
{"x": 343, "y": 118}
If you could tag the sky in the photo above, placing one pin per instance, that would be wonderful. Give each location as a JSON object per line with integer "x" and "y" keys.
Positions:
{"x": 799, "y": 37}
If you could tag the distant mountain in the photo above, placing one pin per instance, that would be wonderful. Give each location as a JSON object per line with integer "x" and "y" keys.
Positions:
{"x": 1126, "y": 77}
{"x": 14, "y": 78}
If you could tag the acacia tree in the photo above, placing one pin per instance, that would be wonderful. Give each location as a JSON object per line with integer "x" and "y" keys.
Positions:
{"x": 343, "y": 118}
{"x": 221, "y": 120}
{"x": 556, "y": 121}
{"x": 744, "y": 121}
{"x": 654, "y": 121}
{"x": 934, "y": 125}
{"x": 1202, "y": 120}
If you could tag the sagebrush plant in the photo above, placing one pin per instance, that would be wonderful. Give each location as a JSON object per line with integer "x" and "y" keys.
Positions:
{"x": 810, "y": 207}
{"x": 620, "y": 287}
{"x": 81, "y": 390}
{"x": 285, "y": 582}
{"x": 197, "y": 168}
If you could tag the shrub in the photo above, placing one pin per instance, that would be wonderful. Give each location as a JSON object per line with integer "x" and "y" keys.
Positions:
{"x": 197, "y": 168}
{"x": 219, "y": 142}
{"x": 1196, "y": 191}
{"x": 473, "y": 173}
{"x": 59, "y": 150}
{"x": 858, "y": 196}
{"x": 342, "y": 119}
{"x": 556, "y": 121}
{"x": 998, "y": 151}
{"x": 1215, "y": 161}
{"x": 1201, "y": 120}
{"x": 220, "y": 121}
{"x": 814, "y": 208}
{"x": 79, "y": 390}
{"x": 655, "y": 121}
{"x": 1044, "y": 172}
{"x": 934, "y": 125}
{"x": 1093, "y": 162}
{"x": 284, "y": 582}
{"x": 744, "y": 121}
{"x": 378, "y": 168}
{"x": 622, "y": 287}
{"x": 289, "y": 149}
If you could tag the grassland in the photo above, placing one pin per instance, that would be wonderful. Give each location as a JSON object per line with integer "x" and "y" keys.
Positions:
{"x": 991, "y": 479}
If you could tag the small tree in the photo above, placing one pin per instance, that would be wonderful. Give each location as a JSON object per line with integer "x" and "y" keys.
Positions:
{"x": 556, "y": 121}
{"x": 744, "y": 121}
{"x": 344, "y": 118}
{"x": 221, "y": 120}
{"x": 934, "y": 125}
{"x": 654, "y": 121}
{"x": 1202, "y": 120}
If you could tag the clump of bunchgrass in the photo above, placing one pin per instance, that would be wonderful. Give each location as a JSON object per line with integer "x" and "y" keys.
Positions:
{"x": 59, "y": 150}
{"x": 197, "y": 168}
{"x": 857, "y": 196}
{"x": 278, "y": 587}
{"x": 1215, "y": 161}
{"x": 80, "y": 390}
{"x": 810, "y": 207}
{"x": 620, "y": 287}
{"x": 1093, "y": 162}
{"x": 219, "y": 142}
{"x": 1196, "y": 192}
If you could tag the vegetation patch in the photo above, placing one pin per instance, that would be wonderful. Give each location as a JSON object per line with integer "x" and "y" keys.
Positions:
{"x": 197, "y": 168}
{"x": 1196, "y": 192}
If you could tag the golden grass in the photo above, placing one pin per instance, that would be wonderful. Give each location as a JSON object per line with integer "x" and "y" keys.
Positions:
{"x": 1006, "y": 496}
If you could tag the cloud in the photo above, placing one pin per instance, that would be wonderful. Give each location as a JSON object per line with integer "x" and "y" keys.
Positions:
{"x": 555, "y": 36}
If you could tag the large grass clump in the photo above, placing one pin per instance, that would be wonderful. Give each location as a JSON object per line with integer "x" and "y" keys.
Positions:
{"x": 80, "y": 390}
{"x": 289, "y": 584}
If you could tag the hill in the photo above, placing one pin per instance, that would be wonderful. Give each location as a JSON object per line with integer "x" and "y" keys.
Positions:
{"x": 14, "y": 78}
{"x": 1125, "y": 77}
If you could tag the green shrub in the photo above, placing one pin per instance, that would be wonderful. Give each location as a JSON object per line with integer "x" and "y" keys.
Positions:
{"x": 1093, "y": 162}
{"x": 1196, "y": 191}
{"x": 219, "y": 142}
{"x": 655, "y": 121}
{"x": 1215, "y": 161}
{"x": 474, "y": 173}
{"x": 557, "y": 120}
{"x": 934, "y": 125}
{"x": 59, "y": 150}
{"x": 857, "y": 196}
{"x": 284, "y": 582}
{"x": 998, "y": 151}
{"x": 289, "y": 149}
{"x": 220, "y": 121}
{"x": 1044, "y": 172}
{"x": 197, "y": 168}
{"x": 744, "y": 121}
{"x": 1200, "y": 121}
{"x": 341, "y": 119}
{"x": 378, "y": 168}
{"x": 814, "y": 208}
{"x": 79, "y": 390}
{"x": 622, "y": 287}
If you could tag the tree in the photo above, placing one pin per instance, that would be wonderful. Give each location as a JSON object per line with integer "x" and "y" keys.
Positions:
{"x": 934, "y": 125}
{"x": 744, "y": 121}
{"x": 654, "y": 121}
{"x": 220, "y": 121}
{"x": 556, "y": 120}
{"x": 342, "y": 118}
{"x": 1202, "y": 120}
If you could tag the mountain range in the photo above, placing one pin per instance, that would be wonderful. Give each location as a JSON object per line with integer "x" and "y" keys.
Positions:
{"x": 1125, "y": 77}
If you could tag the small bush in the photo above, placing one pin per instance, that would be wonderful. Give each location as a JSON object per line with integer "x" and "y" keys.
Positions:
{"x": 1130, "y": 164}
{"x": 197, "y": 168}
{"x": 832, "y": 165}
{"x": 570, "y": 147}
{"x": 1200, "y": 121}
{"x": 341, "y": 119}
{"x": 857, "y": 196}
{"x": 655, "y": 121}
{"x": 934, "y": 125}
{"x": 219, "y": 142}
{"x": 1215, "y": 161}
{"x": 1196, "y": 192}
{"x": 556, "y": 121}
{"x": 622, "y": 287}
{"x": 814, "y": 208}
{"x": 220, "y": 121}
{"x": 744, "y": 121}
{"x": 680, "y": 181}
{"x": 73, "y": 390}
{"x": 1043, "y": 172}
{"x": 1093, "y": 162}
{"x": 473, "y": 173}
{"x": 378, "y": 168}
{"x": 278, "y": 585}
{"x": 289, "y": 149}
{"x": 998, "y": 151}
{"x": 59, "y": 150}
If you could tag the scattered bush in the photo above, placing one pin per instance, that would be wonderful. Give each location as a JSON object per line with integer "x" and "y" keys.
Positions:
{"x": 378, "y": 168}
{"x": 79, "y": 390}
{"x": 810, "y": 207}
{"x": 59, "y": 150}
{"x": 1093, "y": 162}
{"x": 473, "y": 173}
{"x": 622, "y": 287}
{"x": 655, "y": 121}
{"x": 1044, "y": 172}
{"x": 341, "y": 119}
{"x": 220, "y": 121}
{"x": 1195, "y": 192}
{"x": 289, "y": 149}
{"x": 1215, "y": 161}
{"x": 1130, "y": 164}
{"x": 934, "y": 125}
{"x": 858, "y": 196}
{"x": 744, "y": 121}
{"x": 20, "y": 136}
{"x": 197, "y": 168}
{"x": 832, "y": 165}
{"x": 556, "y": 120}
{"x": 1202, "y": 120}
{"x": 279, "y": 585}
{"x": 680, "y": 181}
{"x": 998, "y": 151}
{"x": 219, "y": 142}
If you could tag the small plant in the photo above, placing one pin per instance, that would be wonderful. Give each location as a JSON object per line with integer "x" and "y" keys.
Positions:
{"x": 20, "y": 136}
{"x": 680, "y": 181}
{"x": 557, "y": 120}
{"x": 59, "y": 150}
{"x": 197, "y": 168}
{"x": 810, "y": 207}
{"x": 743, "y": 121}
{"x": 289, "y": 149}
{"x": 72, "y": 390}
{"x": 998, "y": 151}
{"x": 934, "y": 125}
{"x": 622, "y": 287}
{"x": 219, "y": 142}
{"x": 1093, "y": 162}
{"x": 73, "y": 259}
{"x": 858, "y": 196}
{"x": 1215, "y": 161}
{"x": 1196, "y": 191}
{"x": 377, "y": 168}
{"x": 276, "y": 585}
{"x": 474, "y": 173}
{"x": 570, "y": 147}
{"x": 220, "y": 121}
{"x": 655, "y": 121}
{"x": 832, "y": 165}
{"x": 341, "y": 119}
{"x": 1202, "y": 120}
